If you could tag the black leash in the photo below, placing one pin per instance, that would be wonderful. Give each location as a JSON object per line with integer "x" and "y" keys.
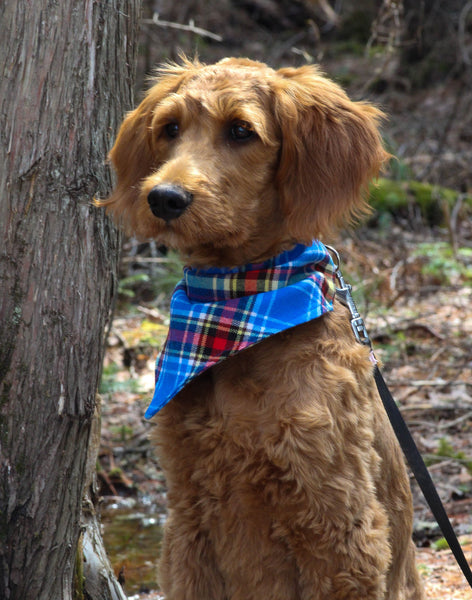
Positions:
{"x": 402, "y": 432}
{"x": 421, "y": 473}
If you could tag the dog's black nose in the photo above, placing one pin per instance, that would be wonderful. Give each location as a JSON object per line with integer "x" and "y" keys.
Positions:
{"x": 168, "y": 201}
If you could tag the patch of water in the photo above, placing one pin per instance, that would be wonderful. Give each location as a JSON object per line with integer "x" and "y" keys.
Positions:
{"x": 132, "y": 533}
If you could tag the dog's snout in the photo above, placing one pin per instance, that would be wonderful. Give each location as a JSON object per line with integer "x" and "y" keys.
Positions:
{"x": 168, "y": 201}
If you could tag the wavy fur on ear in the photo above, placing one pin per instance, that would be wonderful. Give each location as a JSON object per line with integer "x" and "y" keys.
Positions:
{"x": 132, "y": 155}
{"x": 331, "y": 149}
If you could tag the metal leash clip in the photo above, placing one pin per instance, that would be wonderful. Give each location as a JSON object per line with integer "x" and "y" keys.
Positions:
{"x": 345, "y": 297}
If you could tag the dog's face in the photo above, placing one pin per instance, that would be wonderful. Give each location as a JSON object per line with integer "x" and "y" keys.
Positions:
{"x": 229, "y": 163}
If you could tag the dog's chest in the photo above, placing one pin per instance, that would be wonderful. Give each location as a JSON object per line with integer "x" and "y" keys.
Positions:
{"x": 246, "y": 399}
{"x": 255, "y": 424}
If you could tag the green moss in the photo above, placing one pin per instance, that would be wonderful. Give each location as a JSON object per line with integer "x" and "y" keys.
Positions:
{"x": 116, "y": 472}
{"x": 79, "y": 579}
{"x": 434, "y": 202}
{"x": 388, "y": 196}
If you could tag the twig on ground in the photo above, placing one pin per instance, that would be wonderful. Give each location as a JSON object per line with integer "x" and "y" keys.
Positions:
{"x": 458, "y": 421}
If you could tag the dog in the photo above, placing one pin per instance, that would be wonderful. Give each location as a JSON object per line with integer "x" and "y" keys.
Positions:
{"x": 285, "y": 481}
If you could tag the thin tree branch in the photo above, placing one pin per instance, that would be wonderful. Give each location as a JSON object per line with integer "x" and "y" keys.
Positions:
{"x": 466, "y": 58}
{"x": 190, "y": 27}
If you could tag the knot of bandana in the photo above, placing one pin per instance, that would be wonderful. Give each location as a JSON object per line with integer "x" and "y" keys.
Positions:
{"x": 215, "y": 313}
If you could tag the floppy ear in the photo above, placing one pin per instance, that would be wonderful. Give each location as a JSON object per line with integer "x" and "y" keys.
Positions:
{"x": 132, "y": 155}
{"x": 331, "y": 149}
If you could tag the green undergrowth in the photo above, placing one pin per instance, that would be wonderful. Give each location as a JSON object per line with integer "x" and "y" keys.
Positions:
{"x": 151, "y": 334}
{"x": 162, "y": 279}
{"x": 446, "y": 450}
{"x": 444, "y": 264}
{"x": 440, "y": 544}
{"x": 110, "y": 383}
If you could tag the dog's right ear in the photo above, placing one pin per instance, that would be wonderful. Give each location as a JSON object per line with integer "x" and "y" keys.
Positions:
{"x": 331, "y": 149}
{"x": 132, "y": 155}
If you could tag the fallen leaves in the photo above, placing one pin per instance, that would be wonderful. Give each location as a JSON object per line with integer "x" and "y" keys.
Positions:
{"x": 442, "y": 577}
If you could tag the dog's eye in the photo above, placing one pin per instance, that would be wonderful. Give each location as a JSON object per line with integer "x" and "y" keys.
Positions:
{"x": 171, "y": 129}
{"x": 241, "y": 131}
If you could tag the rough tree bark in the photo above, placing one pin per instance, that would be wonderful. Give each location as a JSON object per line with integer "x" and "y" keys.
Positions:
{"x": 67, "y": 71}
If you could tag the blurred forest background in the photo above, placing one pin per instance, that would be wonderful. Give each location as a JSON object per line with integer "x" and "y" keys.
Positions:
{"x": 410, "y": 264}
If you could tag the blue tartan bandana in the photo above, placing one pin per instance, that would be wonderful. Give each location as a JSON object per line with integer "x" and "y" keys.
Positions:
{"x": 215, "y": 313}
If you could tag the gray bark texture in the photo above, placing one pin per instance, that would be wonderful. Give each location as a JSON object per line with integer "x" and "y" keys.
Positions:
{"x": 67, "y": 70}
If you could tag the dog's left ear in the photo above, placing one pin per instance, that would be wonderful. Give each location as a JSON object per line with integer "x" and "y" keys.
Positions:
{"x": 331, "y": 149}
{"x": 132, "y": 154}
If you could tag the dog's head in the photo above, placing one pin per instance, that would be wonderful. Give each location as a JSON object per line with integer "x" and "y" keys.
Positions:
{"x": 231, "y": 162}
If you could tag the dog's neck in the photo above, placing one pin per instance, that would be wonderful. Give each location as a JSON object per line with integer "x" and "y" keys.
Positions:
{"x": 254, "y": 251}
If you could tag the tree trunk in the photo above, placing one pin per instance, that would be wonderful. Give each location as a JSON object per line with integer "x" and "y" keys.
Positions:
{"x": 67, "y": 72}
{"x": 95, "y": 579}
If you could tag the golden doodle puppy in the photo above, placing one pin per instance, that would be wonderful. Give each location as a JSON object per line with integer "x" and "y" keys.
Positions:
{"x": 285, "y": 481}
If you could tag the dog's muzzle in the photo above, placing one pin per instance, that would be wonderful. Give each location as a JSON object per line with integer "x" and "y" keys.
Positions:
{"x": 168, "y": 202}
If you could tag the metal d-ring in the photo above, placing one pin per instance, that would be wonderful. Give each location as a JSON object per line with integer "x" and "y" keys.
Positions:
{"x": 343, "y": 292}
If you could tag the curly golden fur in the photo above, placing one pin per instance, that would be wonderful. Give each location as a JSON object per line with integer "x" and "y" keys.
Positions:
{"x": 284, "y": 478}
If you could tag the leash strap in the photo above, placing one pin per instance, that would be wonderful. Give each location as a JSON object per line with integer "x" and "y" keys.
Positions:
{"x": 407, "y": 443}
{"x": 421, "y": 473}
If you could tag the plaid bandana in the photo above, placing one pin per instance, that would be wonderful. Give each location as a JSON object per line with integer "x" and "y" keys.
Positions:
{"x": 215, "y": 313}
